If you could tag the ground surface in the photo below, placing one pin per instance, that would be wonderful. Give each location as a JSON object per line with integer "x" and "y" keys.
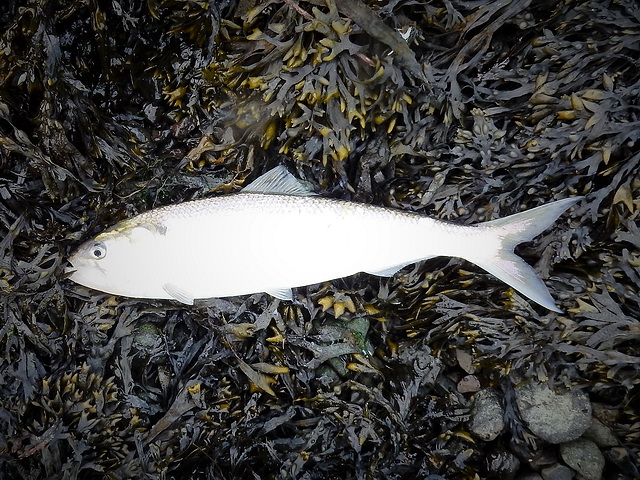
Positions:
{"x": 466, "y": 111}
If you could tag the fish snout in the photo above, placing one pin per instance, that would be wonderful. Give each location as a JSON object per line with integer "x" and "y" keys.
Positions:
{"x": 69, "y": 271}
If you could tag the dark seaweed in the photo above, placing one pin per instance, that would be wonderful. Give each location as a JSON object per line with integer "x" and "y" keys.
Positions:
{"x": 466, "y": 111}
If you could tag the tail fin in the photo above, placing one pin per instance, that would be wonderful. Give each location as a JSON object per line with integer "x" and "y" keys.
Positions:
{"x": 499, "y": 260}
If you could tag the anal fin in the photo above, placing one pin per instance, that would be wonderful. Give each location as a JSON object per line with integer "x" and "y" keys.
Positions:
{"x": 281, "y": 293}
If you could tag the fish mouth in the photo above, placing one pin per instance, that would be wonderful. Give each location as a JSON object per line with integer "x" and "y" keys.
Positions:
{"x": 69, "y": 271}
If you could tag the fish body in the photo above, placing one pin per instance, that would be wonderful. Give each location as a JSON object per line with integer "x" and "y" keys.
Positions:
{"x": 276, "y": 234}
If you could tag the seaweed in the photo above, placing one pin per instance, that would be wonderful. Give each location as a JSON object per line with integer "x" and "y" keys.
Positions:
{"x": 318, "y": 79}
{"x": 467, "y": 111}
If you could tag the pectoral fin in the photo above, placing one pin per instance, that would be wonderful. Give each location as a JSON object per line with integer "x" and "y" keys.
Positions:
{"x": 178, "y": 293}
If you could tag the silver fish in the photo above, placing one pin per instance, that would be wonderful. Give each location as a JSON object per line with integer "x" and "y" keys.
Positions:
{"x": 276, "y": 234}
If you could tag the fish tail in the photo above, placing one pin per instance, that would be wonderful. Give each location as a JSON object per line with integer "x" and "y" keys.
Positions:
{"x": 501, "y": 237}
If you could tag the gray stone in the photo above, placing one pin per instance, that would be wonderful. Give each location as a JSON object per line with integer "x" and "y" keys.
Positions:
{"x": 554, "y": 417}
{"x": 529, "y": 476}
{"x": 465, "y": 360}
{"x": 543, "y": 457}
{"x": 557, "y": 472}
{"x": 623, "y": 459}
{"x": 469, "y": 384}
{"x": 600, "y": 434}
{"x": 503, "y": 465}
{"x": 605, "y": 413}
{"x": 487, "y": 415}
{"x": 584, "y": 457}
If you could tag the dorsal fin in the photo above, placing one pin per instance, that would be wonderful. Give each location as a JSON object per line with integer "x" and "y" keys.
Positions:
{"x": 277, "y": 180}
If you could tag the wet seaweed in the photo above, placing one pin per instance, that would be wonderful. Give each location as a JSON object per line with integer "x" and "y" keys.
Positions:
{"x": 467, "y": 111}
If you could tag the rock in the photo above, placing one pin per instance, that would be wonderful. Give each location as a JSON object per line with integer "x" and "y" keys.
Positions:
{"x": 584, "y": 457}
{"x": 600, "y": 434}
{"x": 529, "y": 476}
{"x": 623, "y": 460}
{"x": 147, "y": 336}
{"x": 468, "y": 384}
{"x": 554, "y": 417}
{"x": 545, "y": 456}
{"x": 605, "y": 413}
{"x": 502, "y": 465}
{"x": 487, "y": 420}
{"x": 465, "y": 360}
{"x": 557, "y": 472}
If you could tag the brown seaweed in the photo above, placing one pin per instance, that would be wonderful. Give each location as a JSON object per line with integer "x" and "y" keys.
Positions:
{"x": 466, "y": 111}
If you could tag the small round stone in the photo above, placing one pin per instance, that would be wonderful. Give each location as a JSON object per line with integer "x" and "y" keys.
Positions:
{"x": 487, "y": 415}
{"x": 554, "y": 417}
{"x": 584, "y": 457}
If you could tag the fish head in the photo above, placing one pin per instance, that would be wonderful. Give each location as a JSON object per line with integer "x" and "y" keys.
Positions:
{"x": 121, "y": 261}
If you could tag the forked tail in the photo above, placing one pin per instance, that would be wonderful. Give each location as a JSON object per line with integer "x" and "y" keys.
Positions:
{"x": 501, "y": 236}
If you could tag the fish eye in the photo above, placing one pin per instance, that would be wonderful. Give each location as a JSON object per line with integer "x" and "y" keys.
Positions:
{"x": 98, "y": 250}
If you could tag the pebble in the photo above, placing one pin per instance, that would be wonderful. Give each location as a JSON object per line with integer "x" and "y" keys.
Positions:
{"x": 554, "y": 417}
{"x": 584, "y": 457}
{"x": 503, "y": 465}
{"x": 545, "y": 457}
{"x": 600, "y": 434}
{"x": 529, "y": 476}
{"x": 623, "y": 460}
{"x": 487, "y": 415}
{"x": 465, "y": 360}
{"x": 147, "y": 336}
{"x": 469, "y": 384}
{"x": 605, "y": 413}
{"x": 557, "y": 472}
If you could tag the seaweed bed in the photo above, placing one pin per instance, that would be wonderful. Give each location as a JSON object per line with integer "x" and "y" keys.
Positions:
{"x": 464, "y": 110}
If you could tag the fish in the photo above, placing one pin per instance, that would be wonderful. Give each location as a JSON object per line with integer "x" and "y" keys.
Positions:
{"x": 277, "y": 234}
